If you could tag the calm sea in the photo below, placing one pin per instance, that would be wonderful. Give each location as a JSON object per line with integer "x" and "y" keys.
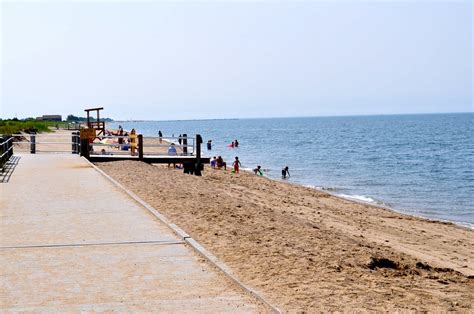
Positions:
{"x": 417, "y": 164}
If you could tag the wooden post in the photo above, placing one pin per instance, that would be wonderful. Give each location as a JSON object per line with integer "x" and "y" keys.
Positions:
{"x": 85, "y": 148}
{"x": 3, "y": 159}
{"x": 198, "y": 155}
{"x": 77, "y": 142}
{"x": 10, "y": 146}
{"x": 88, "y": 120}
{"x": 140, "y": 146}
{"x": 73, "y": 140}
{"x": 185, "y": 144}
{"x": 4, "y": 148}
{"x": 198, "y": 147}
{"x": 33, "y": 143}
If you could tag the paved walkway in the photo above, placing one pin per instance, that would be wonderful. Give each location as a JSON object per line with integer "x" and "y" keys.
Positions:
{"x": 72, "y": 241}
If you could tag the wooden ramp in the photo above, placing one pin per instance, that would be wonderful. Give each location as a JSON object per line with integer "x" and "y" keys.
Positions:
{"x": 150, "y": 159}
{"x": 70, "y": 240}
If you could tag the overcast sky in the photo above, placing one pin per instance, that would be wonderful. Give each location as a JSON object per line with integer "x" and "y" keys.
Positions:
{"x": 184, "y": 60}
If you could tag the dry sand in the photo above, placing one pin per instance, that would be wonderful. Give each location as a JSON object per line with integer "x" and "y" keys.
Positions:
{"x": 306, "y": 250}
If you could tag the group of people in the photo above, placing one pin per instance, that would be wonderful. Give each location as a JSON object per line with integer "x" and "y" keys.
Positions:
{"x": 234, "y": 144}
{"x": 125, "y": 141}
{"x": 285, "y": 172}
{"x": 218, "y": 163}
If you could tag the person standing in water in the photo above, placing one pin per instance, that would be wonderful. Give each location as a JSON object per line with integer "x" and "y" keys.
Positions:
{"x": 285, "y": 172}
{"x": 236, "y": 165}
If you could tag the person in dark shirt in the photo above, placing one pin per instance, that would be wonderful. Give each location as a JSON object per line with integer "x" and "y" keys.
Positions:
{"x": 285, "y": 172}
{"x": 221, "y": 163}
{"x": 258, "y": 171}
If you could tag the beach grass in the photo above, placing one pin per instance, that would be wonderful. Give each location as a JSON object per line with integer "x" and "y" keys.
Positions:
{"x": 17, "y": 126}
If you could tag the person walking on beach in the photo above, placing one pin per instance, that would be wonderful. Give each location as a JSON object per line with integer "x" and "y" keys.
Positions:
{"x": 160, "y": 136}
{"x": 237, "y": 164}
{"x": 285, "y": 172}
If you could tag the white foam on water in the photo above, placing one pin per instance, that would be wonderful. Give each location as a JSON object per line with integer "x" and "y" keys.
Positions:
{"x": 320, "y": 188}
{"x": 359, "y": 198}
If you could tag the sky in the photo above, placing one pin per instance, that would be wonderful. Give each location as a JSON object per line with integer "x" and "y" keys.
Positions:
{"x": 168, "y": 60}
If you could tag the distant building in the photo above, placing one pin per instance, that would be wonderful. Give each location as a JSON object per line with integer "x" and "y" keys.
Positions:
{"x": 50, "y": 117}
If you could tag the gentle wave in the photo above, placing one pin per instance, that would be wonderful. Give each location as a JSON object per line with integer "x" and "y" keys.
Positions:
{"x": 362, "y": 198}
{"x": 321, "y": 188}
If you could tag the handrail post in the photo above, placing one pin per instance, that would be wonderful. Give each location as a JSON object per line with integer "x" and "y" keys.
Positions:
{"x": 2, "y": 159}
{"x": 185, "y": 144}
{"x": 33, "y": 143}
{"x": 73, "y": 140}
{"x": 198, "y": 155}
{"x": 85, "y": 148}
{"x": 140, "y": 146}
{"x": 77, "y": 141}
{"x": 10, "y": 146}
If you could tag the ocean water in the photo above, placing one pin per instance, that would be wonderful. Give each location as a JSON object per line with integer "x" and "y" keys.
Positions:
{"x": 422, "y": 165}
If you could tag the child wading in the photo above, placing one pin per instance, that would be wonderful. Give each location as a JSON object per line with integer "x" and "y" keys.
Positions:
{"x": 258, "y": 171}
{"x": 236, "y": 165}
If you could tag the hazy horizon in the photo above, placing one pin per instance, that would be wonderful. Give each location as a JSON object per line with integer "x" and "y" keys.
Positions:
{"x": 210, "y": 60}
{"x": 293, "y": 117}
{"x": 240, "y": 118}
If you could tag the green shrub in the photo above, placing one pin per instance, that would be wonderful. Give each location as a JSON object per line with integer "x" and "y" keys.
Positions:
{"x": 17, "y": 126}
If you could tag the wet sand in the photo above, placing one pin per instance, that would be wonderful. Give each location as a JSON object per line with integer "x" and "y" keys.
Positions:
{"x": 307, "y": 250}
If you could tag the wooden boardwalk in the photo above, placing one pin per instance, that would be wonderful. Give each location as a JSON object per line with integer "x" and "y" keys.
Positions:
{"x": 72, "y": 241}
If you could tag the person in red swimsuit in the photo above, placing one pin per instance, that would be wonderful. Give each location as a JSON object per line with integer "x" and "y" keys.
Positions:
{"x": 236, "y": 165}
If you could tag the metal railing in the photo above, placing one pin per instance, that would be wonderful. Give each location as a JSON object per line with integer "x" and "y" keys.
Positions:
{"x": 6, "y": 150}
{"x": 105, "y": 144}
{"x": 67, "y": 143}
{"x": 71, "y": 126}
{"x": 185, "y": 146}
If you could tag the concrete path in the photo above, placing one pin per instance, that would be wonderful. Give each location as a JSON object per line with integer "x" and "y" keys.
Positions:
{"x": 72, "y": 241}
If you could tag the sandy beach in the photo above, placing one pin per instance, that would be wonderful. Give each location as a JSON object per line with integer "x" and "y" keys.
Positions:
{"x": 306, "y": 250}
